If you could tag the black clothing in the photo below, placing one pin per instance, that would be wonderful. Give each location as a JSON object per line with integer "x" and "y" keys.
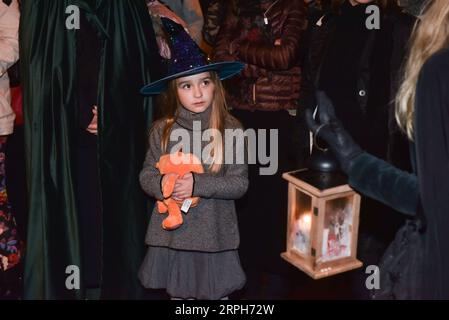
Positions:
{"x": 262, "y": 210}
{"x": 343, "y": 65}
{"x": 398, "y": 144}
{"x": 357, "y": 68}
{"x": 88, "y": 56}
{"x": 400, "y": 190}
{"x": 432, "y": 153}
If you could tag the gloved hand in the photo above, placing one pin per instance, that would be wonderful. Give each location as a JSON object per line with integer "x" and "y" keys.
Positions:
{"x": 331, "y": 130}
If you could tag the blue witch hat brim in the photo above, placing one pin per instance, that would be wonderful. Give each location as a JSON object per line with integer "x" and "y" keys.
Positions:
{"x": 225, "y": 69}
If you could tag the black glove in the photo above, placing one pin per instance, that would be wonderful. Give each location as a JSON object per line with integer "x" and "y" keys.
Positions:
{"x": 331, "y": 130}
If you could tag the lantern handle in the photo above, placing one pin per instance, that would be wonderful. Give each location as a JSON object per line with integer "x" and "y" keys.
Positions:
{"x": 315, "y": 143}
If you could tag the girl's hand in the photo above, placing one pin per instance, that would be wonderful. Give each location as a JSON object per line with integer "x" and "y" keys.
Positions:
{"x": 183, "y": 187}
{"x": 93, "y": 128}
{"x": 164, "y": 48}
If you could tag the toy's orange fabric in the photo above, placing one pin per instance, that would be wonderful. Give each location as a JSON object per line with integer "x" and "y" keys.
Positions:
{"x": 178, "y": 163}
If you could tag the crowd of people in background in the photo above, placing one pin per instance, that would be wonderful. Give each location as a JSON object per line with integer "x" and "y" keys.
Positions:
{"x": 85, "y": 131}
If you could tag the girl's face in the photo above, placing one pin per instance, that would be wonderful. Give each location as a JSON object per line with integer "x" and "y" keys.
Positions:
{"x": 196, "y": 92}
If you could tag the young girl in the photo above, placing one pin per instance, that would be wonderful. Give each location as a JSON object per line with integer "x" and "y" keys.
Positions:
{"x": 199, "y": 260}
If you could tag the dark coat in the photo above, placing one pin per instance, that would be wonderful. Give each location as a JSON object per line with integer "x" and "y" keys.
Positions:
{"x": 430, "y": 182}
{"x": 271, "y": 79}
{"x": 49, "y": 72}
{"x": 378, "y": 67}
{"x": 398, "y": 146}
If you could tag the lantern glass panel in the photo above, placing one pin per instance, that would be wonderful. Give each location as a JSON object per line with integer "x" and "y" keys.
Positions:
{"x": 302, "y": 224}
{"x": 337, "y": 229}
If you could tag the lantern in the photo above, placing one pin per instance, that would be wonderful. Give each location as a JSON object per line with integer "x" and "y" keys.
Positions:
{"x": 323, "y": 218}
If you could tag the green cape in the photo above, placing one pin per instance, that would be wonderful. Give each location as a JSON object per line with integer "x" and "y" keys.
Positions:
{"x": 47, "y": 54}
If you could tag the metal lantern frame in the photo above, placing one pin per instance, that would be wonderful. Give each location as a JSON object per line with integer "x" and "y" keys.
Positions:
{"x": 318, "y": 195}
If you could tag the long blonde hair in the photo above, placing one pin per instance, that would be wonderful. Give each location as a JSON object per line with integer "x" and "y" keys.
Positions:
{"x": 429, "y": 36}
{"x": 219, "y": 114}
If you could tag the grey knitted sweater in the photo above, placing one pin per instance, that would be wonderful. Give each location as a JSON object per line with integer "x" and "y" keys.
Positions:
{"x": 211, "y": 226}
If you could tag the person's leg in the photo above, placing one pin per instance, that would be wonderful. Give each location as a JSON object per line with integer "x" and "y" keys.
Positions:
{"x": 11, "y": 283}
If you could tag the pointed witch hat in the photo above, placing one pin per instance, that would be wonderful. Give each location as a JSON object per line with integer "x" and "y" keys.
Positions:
{"x": 188, "y": 59}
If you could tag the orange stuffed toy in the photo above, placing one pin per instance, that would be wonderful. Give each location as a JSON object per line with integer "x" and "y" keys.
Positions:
{"x": 178, "y": 163}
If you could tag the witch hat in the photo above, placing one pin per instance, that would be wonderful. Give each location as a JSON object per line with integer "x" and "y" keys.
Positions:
{"x": 188, "y": 59}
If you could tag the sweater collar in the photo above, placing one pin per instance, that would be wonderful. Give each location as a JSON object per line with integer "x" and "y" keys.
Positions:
{"x": 186, "y": 118}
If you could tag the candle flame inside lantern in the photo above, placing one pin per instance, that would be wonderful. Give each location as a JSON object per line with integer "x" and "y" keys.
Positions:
{"x": 305, "y": 222}
{"x": 303, "y": 226}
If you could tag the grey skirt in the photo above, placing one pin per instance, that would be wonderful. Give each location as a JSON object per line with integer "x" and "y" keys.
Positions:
{"x": 192, "y": 274}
